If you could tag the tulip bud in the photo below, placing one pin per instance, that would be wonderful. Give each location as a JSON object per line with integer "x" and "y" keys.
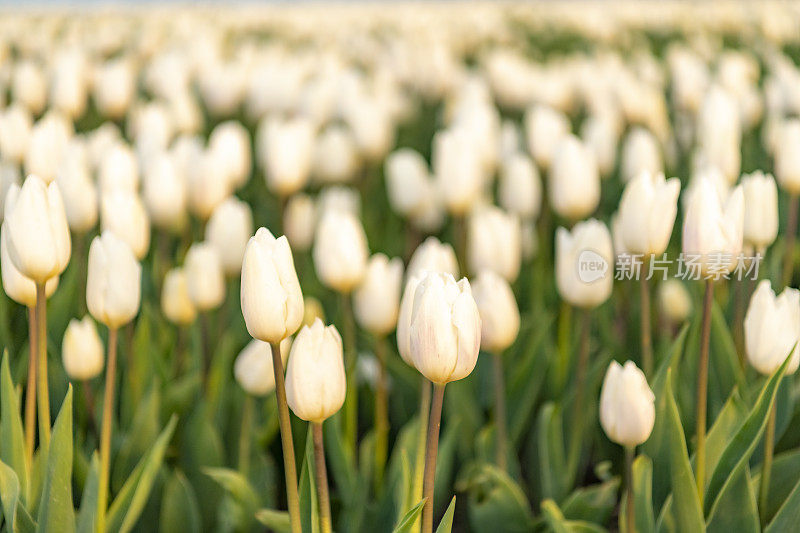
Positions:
{"x": 176, "y": 303}
{"x": 9, "y": 175}
{"x": 647, "y": 213}
{"x": 286, "y": 152}
{"x": 113, "y": 281}
{"x": 760, "y": 210}
{"x": 312, "y": 310}
{"x": 407, "y": 180}
{"x": 674, "y": 301}
{"x": 19, "y": 288}
{"x": 38, "y": 235}
{"x": 15, "y": 132}
{"x": 600, "y": 136}
{"x": 787, "y": 156}
{"x": 230, "y": 142}
{"x": 457, "y": 169}
{"x": 445, "y": 330}
{"x": 68, "y": 89}
{"x": 114, "y": 87}
{"x": 48, "y": 142}
{"x": 123, "y": 214}
{"x": 272, "y": 302}
{"x": 404, "y": 318}
{"x": 772, "y": 329}
{"x": 377, "y": 299}
{"x": 82, "y": 350}
{"x": 640, "y": 154}
{"x": 253, "y": 366}
{"x": 335, "y": 156}
{"x": 79, "y": 195}
{"x": 574, "y": 182}
{"x": 299, "y": 221}
{"x": 494, "y": 242}
{"x": 228, "y": 230}
{"x": 719, "y": 132}
{"x": 712, "y": 231}
{"x": 315, "y": 378}
{"x": 29, "y": 86}
{"x": 164, "y": 193}
{"x": 498, "y": 310}
{"x": 119, "y": 170}
{"x": 340, "y": 250}
{"x": 337, "y": 197}
{"x": 432, "y": 255}
{"x": 544, "y": 129}
{"x": 520, "y": 187}
{"x": 373, "y": 130}
{"x": 627, "y": 405}
{"x": 584, "y": 260}
{"x": 205, "y": 277}
{"x": 207, "y": 183}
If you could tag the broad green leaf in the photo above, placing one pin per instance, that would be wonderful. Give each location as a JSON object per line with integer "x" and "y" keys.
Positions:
{"x": 446, "y": 524}
{"x": 594, "y": 503}
{"x": 528, "y": 380}
{"x": 783, "y": 480}
{"x": 179, "y": 509}
{"x": 558, "y": 524}
{"x": 725, "y": 370}
{"x": 736, "y": 509}
{"x": 139, "y": 437}
{"x": 12, "y": 439}
{"x": 406, "y": 524}
{"x": 495, "y": 502}
{"x": 275, "y": 520}
{"x": 88, "y": 511}
{"x": 240, "y": 490}
{"x": 55, "y": 508}
{"x": 643, "y": 494}
{"x": 725, "y": 426}
{"x": 13, "y": 510}
{"x": 788, "y": 516}
{"x": 550, "y": 445}
{"x": 309, "y": 510}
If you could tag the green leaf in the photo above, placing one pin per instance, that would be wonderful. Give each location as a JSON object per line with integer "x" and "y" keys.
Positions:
{"x": 88, "y": 511}
{"x": 552, "y": 463}
{"x": 14, "y": 511}
{"x": 788, "y": 516}
{"x": 643, "y": 494}
{"x": 594, "y": 503}
{"x": 55, "y": 508}
{"x": 446, "y": 524}
{"x": 406, "y": 524}
{"x": 139, "y": 437}
{"x": 496, "y": 502}
{"x": 275, "y": 520}
{"x": 239, "y": 488}
{"x": 782, "y": 481}
{"x": 739, "y": 449}
{"x": 725, "y": 370}
{"x": 309, "y": 510}
{"x": 558, "y": 524}
{"x": 686, "y": 503}
{"x": 12, "y": 440}
{"x": 727, "y": 423}
{"x": 736, "y": 509}
{"x": 526, "y": 383}
{"x": 179, "y": 508}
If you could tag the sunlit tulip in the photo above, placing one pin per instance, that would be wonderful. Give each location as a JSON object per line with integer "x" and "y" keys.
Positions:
{"x": 674, "y": 301}
{"x": 372, "y": 128}
{"x": 38, "y": 234}
{"x": 114, "y": 87}
{"x": 772, "y": 329}
{"x": 339, "y": 198}
{"x": 80, "y": 196}
{"x": 113, "y": 281}
{"x": 494, "y": 242}
{"x": 787, "y": 157}
{"x": 641, "y": 153}
{"x": 299, "y": 221}
{"x": 164, "y": 193}
{"x": 760, "y": 210}
{"x": 119, "y": 170}
{"x": 151, "y": 127}
{"x": 498, "y": 310}
{"x": 315, "y": 378}
{"x": 29, "y": 86}
{"x": 574, "y": 182}
{"x": 584, "y": 264}
{"x": 445, "y": 329}
{"x": 271, "y": 299}
{"x": 253, "y": 367}
{"x": 15, "y": 132}
{"x": 176, "y": 303}
{"x": 544, "y": 129}
{"x": 47, "y": 145}
{"x": 520, "y": 187}
{"x": 100, "y": 141}
{"x": 312, "y": 310}
{"x": 719, "y": 132}
{"x": 9, "y": 176}
{"x": 377, "y": 299}
{"x": 19, "y": 288}
{"x": 207, "y": 183}
{"x": 228, "y": 230}
{"x": 600, "y": 136}
{"x": 407, "y": 180}
{"x": 433, "y": 255}
{"x": 230, "y": 142}
{"x": 82, "y": 350}
{"x": 123, "y": 214}
{"x": 335, "y": 156}
{"x": 340, "y": 250}
{"x": 286, "y": 153}
{"x": 68, "y": 88}
{"x": 204, "y": 276}
{"x": 647, "y": 213}
{"x": 404, "y": 318}
{"x": 627, "y": 405}
{"x": 457, "y": 170}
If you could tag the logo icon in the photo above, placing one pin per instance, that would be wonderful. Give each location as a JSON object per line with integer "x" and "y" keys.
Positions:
{"x": 591, "y": 266}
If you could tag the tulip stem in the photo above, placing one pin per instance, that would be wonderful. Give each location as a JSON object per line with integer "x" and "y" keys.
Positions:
{"x": 381, "y": 413}
{"x": 791, "y": 231}
{"x": 322, "y": 479}
{"x": 501, "y": 449}
{"x": 702, "y": 389}
{"x": 630, "y": 514}
{"x": 43, "y": 395}
{"x": 205, "y": 334}
{"x": 766, "y": 468}
{"x": 105, "y": 431}
{"x": 430, "y": 456}
{"x": 351, "y": 396}
{"x": 422, "y": 439}
{"x": 30, "y": 396}
{"x": 244, "y": 436}
{"x": 564, "y": 334}
{"x": 647, "y": 342}
{"x": 578, "y": 415}
{"x": 287, "y": 442}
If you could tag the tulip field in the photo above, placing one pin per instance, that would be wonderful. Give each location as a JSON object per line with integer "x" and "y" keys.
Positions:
{"x": 400, "y": 267}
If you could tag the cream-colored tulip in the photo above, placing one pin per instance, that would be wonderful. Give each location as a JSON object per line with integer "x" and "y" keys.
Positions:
{"x": 19, "y": 288}
{"x": 15, "y": 132}
{"x": 340, "y": 250}
{"x": 207, "y": 183}
{"x": 253, "y": 366}
{"x": 228, "y": 230}
{"x": 299, "y": 221}
{"x": 674, "y": 301}
{"x": 433, "y": 255}
{"x": 205, "y": 276}
{"x": 520, "y": 187}
{"x": 787, "y": 156}
{"x": 335, "y": 156}
{"x": 164, "y": 193}
{"x": 79, "y": 195}
{"x": 457, "y": 169}
{"x": 286, "y": 153}
{"x": 113, "y": 281}
{"x": 544, "y": 129}
{"x": 114, "y": 87}
{"x": 494, "y": 242}
{"x": 498, "y": 309}
{"x": 230, "y": 142}
{"x": 404, "y": 318}
{"x": 574, "y": 181}
{"x": 772, "y": 329}
{"x": 627, "y": 405}
{"x": 82, "y": 351}
{"x": 647, "y": 213}
{"x": 9, "y": 176}
{"x": 760, "y": 210}
{"x": 123, "y": 214}
{"x": 641, "y": 153}
{"x": 600, "y": 136}
{"x": 377, "y": 298}
{"x": 407, "y": 180}
{"x": 119, "y": 170}
{"x": 29, "y": 86}
{"x": 47, "y": 145}
{"x": 584, "y": 264}
{"x": 176, "y": 303}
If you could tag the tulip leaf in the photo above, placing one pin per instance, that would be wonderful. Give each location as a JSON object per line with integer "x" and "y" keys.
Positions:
{"x": 783, "y": 479}
{"x": 496, "y": 502}
{"x": 594, "y": 503}
{"x": 686, "y": 504}
{"x": 179, "y": 508}
{"x": 788, "y": 515}
{"x": 240, "y": 490}
{"x": 739, "y": 449}
{"x": 406, "y": 523}
{"x": 558, "y": 524}
{"x": 736, "y": 509}
{"x": 88, "y": 511}
{"x": 55, "y": 507}
{"x": 14, "y": 511}
{"x": 642, "y": 497}
{"x": 446, "y": 524}
{"x": 726, "y": 370}
{"x": 727, "y": 423}
{"x": 274, "y": 520}
{"x": 550, "y": 445}
{"x": 307, "y": 489}
{"x": 12, "y": 440}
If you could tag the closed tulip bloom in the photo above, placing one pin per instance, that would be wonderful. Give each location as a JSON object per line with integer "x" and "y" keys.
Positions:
{"x": 574, "y": 182}
{"x": 640, "y": 153}
{"x": 123, "y": 214}
{"x": 176, "y": 303}
{"x": 253, "y": 367}
{"x": 164, "y": 193}
{"x": 520, "y": 187}
{"x": 457, "y": 169}
{"x": 68, "y": 88}
{"x": 38, "y": 234}
{"x": 674, "y": 301}
{"x": 627, "y": 405}
{"x": 207, "y": 183}
{"x": 335, "y": 157}
{"x": 114, "y": 87}
{"x": 15, "y": 132}
{"x": 341, "y": 198}
{"x": 205, "y": 277}
{"x": 340, "y": 250}
{"x": 494, "y": 242}
{"x": 29, "y": 86}
{"x": 760, "y": 210}
{"x": 119, "y": 170}
{"x": 113, "y": 281}
{"x": 19, "y": 288}
{"x": 445, "y": 331}
{"x": 228, "y": 230}
{"x": 230, "y": 142}
{"x": 82, "y": 350}
{"x": 647, "y": 212}
{"x": 377, "y": 299}
{"x": 600, "y": 136}
{"x": 787, "y": 156}
{"x": 47, "y": 145}
{"x": 714, "y": 231}
{"x": 772, "y": 329}
{"x": 584, "y": 263}
{"x": 272, "y": 302}
{"x": 299, "y": 221}
{"x": 544, "y": 129}
{"x": 287, "y": 150}
{"x": 312, "y": 310}
{"x": 315, "y": 378}
{"x": 433, "y": 255}
{"x": 9, "y": 176}
{"x": 80, "y": 196}
{"x": 407, "y": 180}
{"x": 498, "y": 309}
{"x": 404, "y": 318}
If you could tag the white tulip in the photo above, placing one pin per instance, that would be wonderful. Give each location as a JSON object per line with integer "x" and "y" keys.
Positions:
{"x": 641, "y": 153}
{"x": 16, "y": 125}
{"x": 544, "y": 129}
{"x": 772, "y": 329}
{"x": 498, "y": 310}
{"x": 79, "y": 194}
{"x": 228, "y": 230}
{"x": 230, "y": 142}
{"x": 176, "y": 303}
{"x": 9, "y": 176}
{"x": 48, "y": 142}
{"x": 113, "y": 281}
{"x": 114, "y": 87}
{"x": 520, "y": 187}
{"x": 119, "y": 170}
{"x": 494, "y": 242}
{"x": 584, "y": 264}
{"x": 205, "y": 277}
{"x": 19, "y": 288}
{"x": 408, "y": 180}
{"x": 376, "y": 301}
{"x": 760, "y": 210}
{"x": 335, "y": 156}
{"x": 627, "y": 405}
{"x": 299, "y": 221}
{"x": 340, "y": 250}
{"x": 253, "y": 366}
{"x": 82, "y": 351}
{"x": 164, "y": 193}
{"x": 457, "y": 169}
{"x": 286, "y": 150}
{"x": 433, "y": 255}
{"x": 647, "y": 213}
{"x": 123, "y": 214}
{"x": 29, "y": 86}
{"x": 674, "y": 300}
{"x": 600, "y": 136}
{"x": 404, "y": 318}
{"x": 787, "y": 157}
{"x": 574, "y": 181}
{"x": 207, "y": 183}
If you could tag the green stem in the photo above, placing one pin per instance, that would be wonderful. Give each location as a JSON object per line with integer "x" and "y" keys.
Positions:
{"x": 430, "y": 456}
{"x": 105, "y": 431}
{"x": 578, "y": 416}
{"x": 564, "y": 334}
{"x": 43, "y": 395}
{"x": 244, "y": 435}
{"x": 322, "y": 479}
{"x": 30, "y": 396}
{"x": 702, "y": 390}
{"x": 501, "y": 449}
{"x": 381, "y": 413}
{"x": 630, "y": 514}
{"x": 647, "y": 342}
{"x": 791, "y": 231}
{"x": 766, "y": 469}
{"x": 351, "y": 396}
{"x": 422, "y": 439}
{"x": 287, "y": 443}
